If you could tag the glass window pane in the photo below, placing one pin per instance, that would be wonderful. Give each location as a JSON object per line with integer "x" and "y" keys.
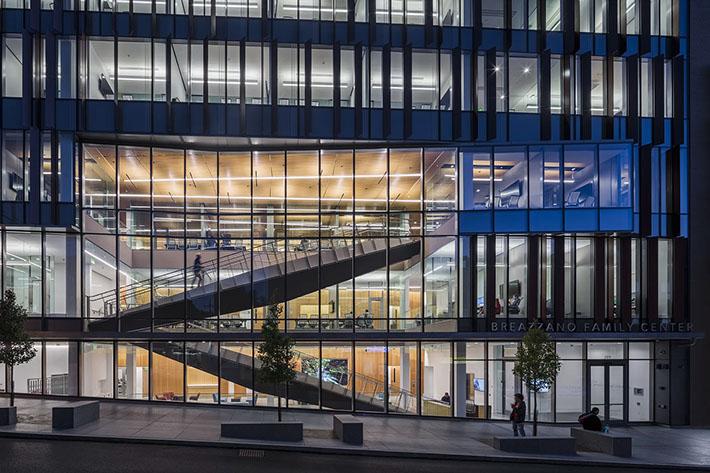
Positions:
{"x": 101, "y": 74}
{"x": 523, "y": 84}
{"x": 28, "y": 376}
{"x": 179, "y": 74}
{"x": 133, "y": 370}
{"x": 97, "y": 369}
{"x": 268, "y": 180}
{"x": 605, "y": 350}
{"x": 440, "y": 179}
{"x": 370, "y": 376}
{"x": 569, "y": 395}
{"x": 476, "y": 180}
{"x": 371, "y": 180}
{"x": 62, "y": 370}
{"x": 337, "y": 374}
{"x": 322, "y": 81}
{"x": 517, "y": 277}
{"x": 405, "y": 180}
{"x": 510, "y": 179}
{"x": 62, "y": 263}
{"x": 436, "y": 379}
{"x": 493, "y": 14}
{"x": 402, "y": 377}
{"x": 168, "y": 361}
{"x": 12, "y": 66}
{"x": 580, "y": 176}
{"x": 640, "y": 393}
{"x": 235, "y": 185}
{"x": 236, "y": 385}
{"x": 584, "y": 277}
{"x": 202, "y": 371}
{"x": 24, "y": 270}
{"x": 134, "y": 70}
{"x": 336, "y": 180}
{"x": 424, "y": 80}
{"x": 440, "y": 283}
{"x": 614, "y": 176}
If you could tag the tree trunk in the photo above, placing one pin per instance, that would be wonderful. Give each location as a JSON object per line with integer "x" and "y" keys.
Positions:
{"x": 278, "y": 394}
{"x": 12, "y": 385}
{"x": 535, "y": 414}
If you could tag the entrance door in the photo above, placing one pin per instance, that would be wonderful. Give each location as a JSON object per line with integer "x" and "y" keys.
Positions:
{"x": 606, "y": 389}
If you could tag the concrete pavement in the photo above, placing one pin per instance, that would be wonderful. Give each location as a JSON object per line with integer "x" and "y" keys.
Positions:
{"x": 408, "y": 437}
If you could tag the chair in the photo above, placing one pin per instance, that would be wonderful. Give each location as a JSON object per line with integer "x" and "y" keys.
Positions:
{"x": 195, "y": 398}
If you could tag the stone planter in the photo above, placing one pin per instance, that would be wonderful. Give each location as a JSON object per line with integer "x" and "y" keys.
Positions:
{"x": 8, "y": 415}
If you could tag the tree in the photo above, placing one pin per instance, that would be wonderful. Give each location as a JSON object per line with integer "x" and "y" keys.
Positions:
{"x": 537, "y": 364}
{"x": 275, "y": 353}
{"x": 16, "y": 347}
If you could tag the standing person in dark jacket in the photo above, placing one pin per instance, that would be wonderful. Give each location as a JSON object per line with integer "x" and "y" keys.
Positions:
{"x": 197, "y": 271}
{"x": 591, "y": 420}
{"x": 518, "y": 415}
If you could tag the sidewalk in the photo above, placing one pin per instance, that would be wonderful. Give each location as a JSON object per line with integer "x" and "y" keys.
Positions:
{"x": 384, "y": 435}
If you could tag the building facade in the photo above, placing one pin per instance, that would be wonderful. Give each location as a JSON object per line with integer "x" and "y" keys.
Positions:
{"x": 414, "y": 183}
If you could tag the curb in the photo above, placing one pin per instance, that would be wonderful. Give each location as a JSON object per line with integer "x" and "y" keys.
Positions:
{"x": 344, "y": 451}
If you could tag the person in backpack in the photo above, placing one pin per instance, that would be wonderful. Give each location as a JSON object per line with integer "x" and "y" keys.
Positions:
{"x": 590, "y": 420}
{"x": 517, "y": 417}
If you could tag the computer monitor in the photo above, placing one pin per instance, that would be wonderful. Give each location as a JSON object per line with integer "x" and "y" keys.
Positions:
{"x": 479, "y": 384}
{"x": 479, "y": 302}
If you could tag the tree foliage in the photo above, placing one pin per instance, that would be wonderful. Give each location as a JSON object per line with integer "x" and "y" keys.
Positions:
{"x": 276, "y": 351}
{"x": 536, "y": 362}
{"x": 16, "y": 347}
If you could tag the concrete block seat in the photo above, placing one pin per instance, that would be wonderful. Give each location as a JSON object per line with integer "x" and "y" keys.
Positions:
{"x": 348, "y": 429}
{"x": 610, "y": 443}
{"x": 536, "y": 445}
{"x": 8, "y": 415}
{"x": 269, "y": 431}
{"x": 75, "y": 414}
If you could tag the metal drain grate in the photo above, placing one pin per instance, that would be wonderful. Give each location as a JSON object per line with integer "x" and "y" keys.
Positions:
{"x": 251, "y": 453}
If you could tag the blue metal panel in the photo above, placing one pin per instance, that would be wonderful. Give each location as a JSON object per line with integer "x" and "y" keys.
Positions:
{"x": 524, "y": 127}
{"x": 616, "y": 220}
{"x": 476, "y": 222}
{"x": 12, "y": 20}
{"x": 66, "y": 114}
{"x": 197, "y": 118}
{"x": 135, "y": 117}
{"x": 160, "y": 117}
{"x": 180, "y": 117}
{"x": 123, "y": 24}
{"x": 510, "y": 220}
{"x": 581, "y": 220}
{"x": 12, "y": 113}
{"x": 143, "y": 25}
{"x": 549, "y": 220}
{"x": 424, "y": 124}
{"x": 217, "y": 125}
{"x": 100, "y": 115}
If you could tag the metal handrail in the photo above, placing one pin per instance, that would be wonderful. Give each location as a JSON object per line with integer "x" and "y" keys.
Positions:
{"x": 264, "y": 255}
{"x": 403, "y": 395}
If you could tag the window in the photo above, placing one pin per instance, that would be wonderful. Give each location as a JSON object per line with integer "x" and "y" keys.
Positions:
{"x": 580, "y": 176}
{"x": 614, "y": 176}
{"x": 167, "y": 373}
{"x": 665, "y": 278}
{"x": 322, "y": 81}
{"x": 62, "y": 369}
{"x": 133, "y": 372}
{"x": 24, "y": 270}
{"x": 179, "y": 73}
{"x": 436, "y": 379}
{"x": 510, "y": 179}
{"x": 12, "y": 66}
{"x": 347, "y": 77}
{"x": 217, "y": 73}
{"x": 583, "y": 277}
{"x": 101, "y": 79}
{"x": 523, "y": 84}
{"x": 545, "y": 177}
{"x": 28, "y": 376}
{"x": 134, "y": 70}
{"x": 493, "y": 14}
{"x": 96, "y": 369}
{"x": 63, "y": 287}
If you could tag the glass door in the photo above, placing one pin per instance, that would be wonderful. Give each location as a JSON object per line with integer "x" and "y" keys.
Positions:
{"x": 606, "y": 390}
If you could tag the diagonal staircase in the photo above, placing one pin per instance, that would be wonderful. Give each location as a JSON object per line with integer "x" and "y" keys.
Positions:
{"x": 265, "y": 273}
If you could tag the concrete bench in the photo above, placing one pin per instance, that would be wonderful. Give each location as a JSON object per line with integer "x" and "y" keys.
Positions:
{"x": 348, "y": 429}
{"x": 613, "y": 444}
{"x": 75, "y": 414}
{"x": 279, "y": 431}
{"x": 8, "y": 415}
{"x": 537, "y": 445}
